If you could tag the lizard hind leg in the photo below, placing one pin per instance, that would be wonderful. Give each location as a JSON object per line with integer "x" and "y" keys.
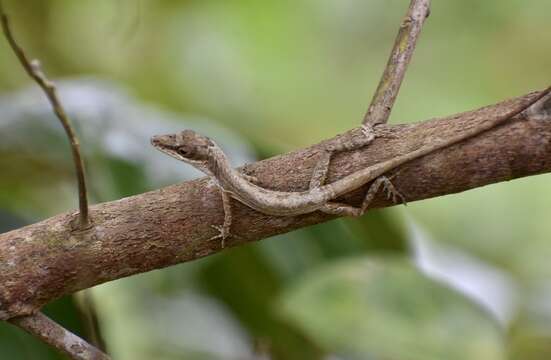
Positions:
{"x": 391, "y": 192}
{"x": 336, "y": 208}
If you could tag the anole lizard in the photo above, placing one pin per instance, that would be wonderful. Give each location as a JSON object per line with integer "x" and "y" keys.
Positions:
{"x": 205, "y": 155}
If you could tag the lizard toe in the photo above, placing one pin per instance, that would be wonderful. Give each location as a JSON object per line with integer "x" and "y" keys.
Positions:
{"x": 392, "y": 192}
{"x": 223, "y": 234}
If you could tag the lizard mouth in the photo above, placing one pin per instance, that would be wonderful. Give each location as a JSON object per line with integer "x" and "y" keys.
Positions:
{"x": 159, "y": 142}
{"x": 155, "y": 140}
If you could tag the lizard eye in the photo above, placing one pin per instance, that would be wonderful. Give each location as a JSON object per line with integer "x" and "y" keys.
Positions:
{"x": 182, "y": 151}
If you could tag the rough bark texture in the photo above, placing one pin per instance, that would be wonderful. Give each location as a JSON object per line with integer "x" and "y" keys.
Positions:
{"x": 43, "y": 261}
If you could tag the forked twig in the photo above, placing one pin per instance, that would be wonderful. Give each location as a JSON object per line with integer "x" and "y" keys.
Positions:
{"x": 32, "y": 67}
{"x": 404, "y": 45}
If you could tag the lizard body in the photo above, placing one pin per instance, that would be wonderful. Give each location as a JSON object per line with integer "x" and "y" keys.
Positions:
{"x": 207, "y": 156}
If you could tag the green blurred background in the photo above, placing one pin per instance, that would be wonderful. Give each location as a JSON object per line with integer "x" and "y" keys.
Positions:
{"x": 459, "y": 277}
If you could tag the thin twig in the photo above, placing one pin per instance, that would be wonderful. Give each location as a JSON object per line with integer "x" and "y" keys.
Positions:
{"x": 404, "y": 45}
{"x": 32, "y": 67}
{"x": 55, "y": 335}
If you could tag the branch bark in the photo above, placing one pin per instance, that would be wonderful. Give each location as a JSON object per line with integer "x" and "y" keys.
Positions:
{"x": 46, "y": 260}
{"x": 54, "y": 334}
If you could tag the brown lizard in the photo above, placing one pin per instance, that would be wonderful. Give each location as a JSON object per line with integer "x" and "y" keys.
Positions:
{"x": 205, "y": 155}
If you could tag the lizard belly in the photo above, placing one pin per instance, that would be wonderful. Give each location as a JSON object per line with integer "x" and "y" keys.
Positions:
{"x": 278, "y": 203}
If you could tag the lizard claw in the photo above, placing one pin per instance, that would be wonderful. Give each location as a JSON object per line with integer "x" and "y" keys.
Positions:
{"x": 223, "y": 234}
{"x": 250, "y": 178}
{"x": 392, "y": 193}
{"x": 368, "y": 131}
{"x": 246, "y": 173}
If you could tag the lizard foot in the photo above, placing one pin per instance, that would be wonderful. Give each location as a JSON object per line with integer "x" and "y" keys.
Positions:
{"x": 369, "y": 132}
{"x": 223, "y": 234}
{"x": 391, "y": 192}
{"x": 250, "y": 178}
{"x": 246, "y": 173}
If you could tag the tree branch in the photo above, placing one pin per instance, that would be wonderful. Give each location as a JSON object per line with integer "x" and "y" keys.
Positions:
{"x": 404, "y": 45}
{"x": 46, "y": 260}
{"x": 51, "y": 333}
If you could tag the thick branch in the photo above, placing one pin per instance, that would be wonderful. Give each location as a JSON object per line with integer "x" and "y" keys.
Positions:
{"x": 45, "y": 260}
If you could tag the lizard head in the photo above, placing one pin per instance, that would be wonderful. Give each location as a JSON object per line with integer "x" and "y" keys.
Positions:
{"x": 187, "y": 146}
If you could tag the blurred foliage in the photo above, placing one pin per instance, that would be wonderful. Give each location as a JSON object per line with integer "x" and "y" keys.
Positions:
{"x": 273, "y": 76}
{"x": 385, "y": 309}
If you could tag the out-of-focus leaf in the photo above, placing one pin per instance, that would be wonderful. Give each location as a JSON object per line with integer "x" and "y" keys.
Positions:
{"x": 378, "y": 231}
{"x": 146, "y": 317}
{"x": 387, "y": 309}
{"x": 530, "y": 333}
{"x": 246, "y": 283}
{"x": 507, "y": 214}
{"x": 486, "y": 284}
{"x": 527, "y": 342}
{"x": 293, "y": 253}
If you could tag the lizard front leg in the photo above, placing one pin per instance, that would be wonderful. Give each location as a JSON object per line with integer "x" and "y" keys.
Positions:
{"x": 224, "y": 229}
{"x": 336, "y": 208}
{"x": 322, "y": 166}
